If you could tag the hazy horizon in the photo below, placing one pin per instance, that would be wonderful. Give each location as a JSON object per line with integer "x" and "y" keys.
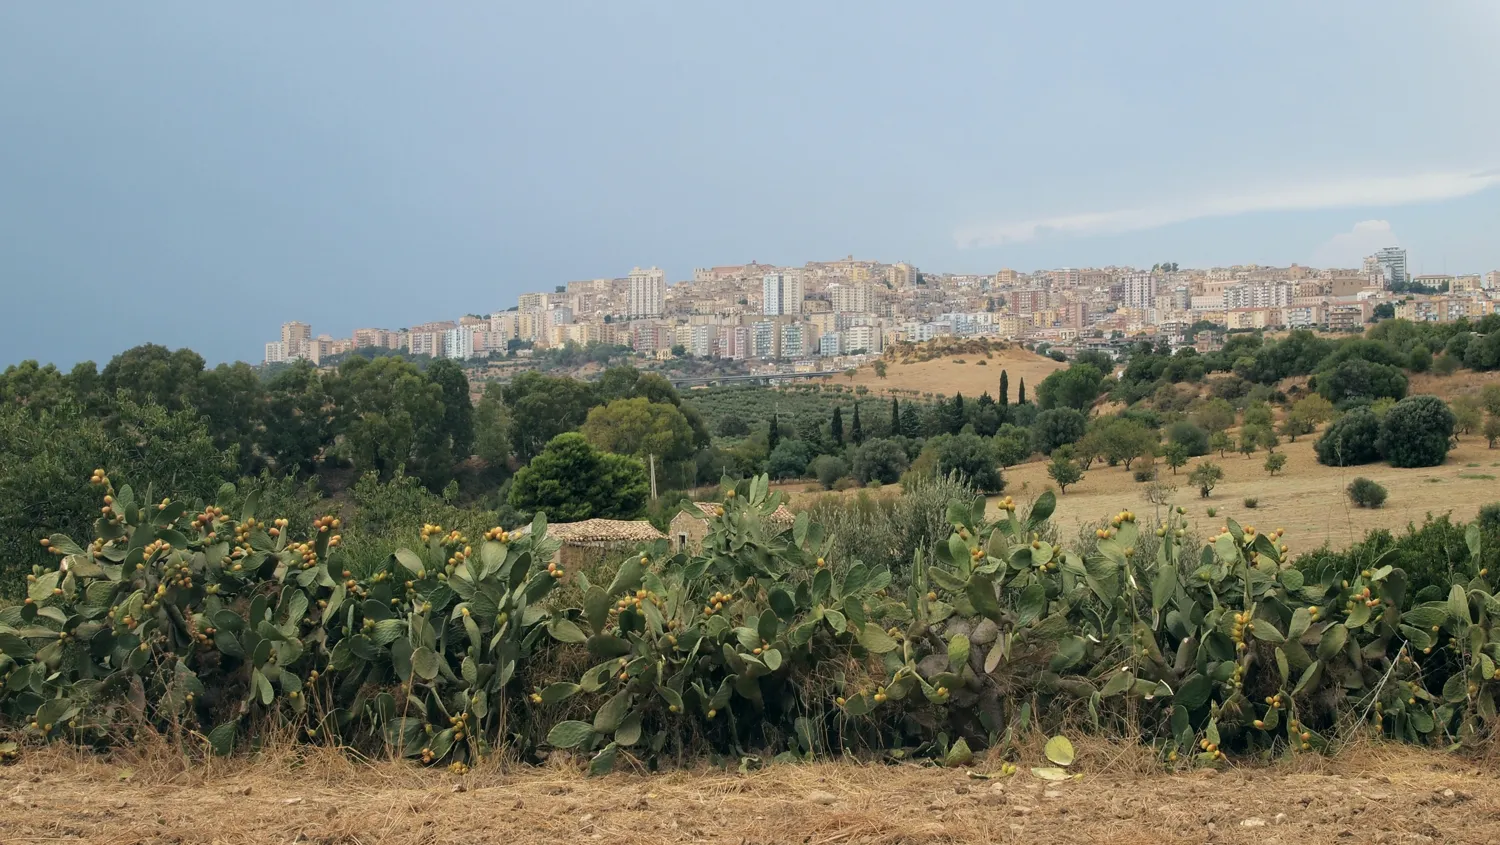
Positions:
{"x": 194, "y": 176}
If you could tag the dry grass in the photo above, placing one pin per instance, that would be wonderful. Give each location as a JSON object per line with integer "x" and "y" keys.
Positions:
{"x": 1307, "y": 498}
{"x": 1369, "y": 793}
{"x": 946, "y": 376}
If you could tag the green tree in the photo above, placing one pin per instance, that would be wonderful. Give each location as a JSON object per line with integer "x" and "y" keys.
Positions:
{"x": 394, "y": 419}
{"x": 836, "y": 427}
{"x": 1468, "y": 413}
{"x": 1004, "y": 389}
{"x": 1489, "y": 396}
{"x": 828, "y": 469}
{"x": 1076, "y": 387}
{"x": 1206, "y": 476}
{"x": 1351, "y": 440}
{"x": 570, "y": 481}
{"x": 1492, "y": 429}
{"x": 1176, "y": 455}
{"x": 773, "y": 433}
{"x": 1358, "y": 378}
{"x": 1021, "y": 393}
{"x": 1249, "y": 439}
{"x": 1122, "y": 440}
{"x": 1421, "y": 359}
{"x": 1012, "y": 445}
{"x": 879, "y": 460}
{"x": 153, "y": 373}
{"x": 1416, "y": 432}
{"x": 856, "y": 431}
{"x": 1214, "y": 415}
{"x": 1063, "y": 469}
{"x": 880, "y": 369}
{"x": 1259, "y": 415}
{"x": 972, "y": 457}
{"x": 458, "y": 409}
{"x": 1058, "y": 427}
{"x": 232, "y": 401}
{"x": 790, "y": 459}
{"x": 1220, "y": 442}
{"x": 300, "y": 419}
{"x": 1194, "y": 438}
{"x": 640, "y": 428}
{"x": 1274, "y": 462}
{"x": 542, "y": 407}
{"x": 895, "y": 416}
{"x": 492, "y": 428}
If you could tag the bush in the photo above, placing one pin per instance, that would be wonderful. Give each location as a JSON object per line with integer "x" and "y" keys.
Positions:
{"x": 879, "y": 461}
{"x": 1191, "y": 437}
{"x": 1206, "y": 476}
{"x": 828, "y": 469}
{"x": 1416, "y": 432}
{"x": 1361, "y": 379}
{"x": 790, "y": 459}
{"x": 1351, "y": 440}
{"x": 1144, "y": 473}
{"x": 1058, "y": 427}
{"x": 973, "y": 458}
{"x": 1366, "y": 494}
{"x": 1252, "y": 502}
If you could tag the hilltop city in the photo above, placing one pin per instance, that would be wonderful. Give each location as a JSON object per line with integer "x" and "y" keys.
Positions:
{"x": 828, "y": 315}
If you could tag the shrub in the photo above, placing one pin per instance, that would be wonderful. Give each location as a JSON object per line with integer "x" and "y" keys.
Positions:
{"x": 1252, "y": 502}
{"x": 1206, "y": 476}
{"x": 1416, "y": 432}
{"x": 1057, "y": 427}
{"x": 1190, "y": 437}
{"x": 790, "y": 459}
{"x": 828, "y": 469}
{"x": 879, "y": 461}
{"x": 1143, "y": 473}
{"x": 1357, "y": 378}
{"x": 1274, "y": 462}
{"x": 1351, "y": 440}
{"x": 972, "y": 457}
{"x": 1212, "y": 512}
{"x": 1366, "y": 493}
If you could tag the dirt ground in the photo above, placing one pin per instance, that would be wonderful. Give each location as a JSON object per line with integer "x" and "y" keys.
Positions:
{"x": 946, "y": 376}
{"x": 1306, "y": 498}
{"x": 1371, "y": 795}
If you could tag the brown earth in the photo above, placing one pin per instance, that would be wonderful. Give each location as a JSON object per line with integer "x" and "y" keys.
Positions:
{"x": 947, "y": 376}
{"x": 1370, "y": 794}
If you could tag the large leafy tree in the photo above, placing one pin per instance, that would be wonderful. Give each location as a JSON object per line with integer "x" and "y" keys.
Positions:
{"x": 542, "y": 407}
{"x": 458, "y": 409}
{"x": 394, "y": 418}
{"x": 640, "y": 428}
{"x": 1057, "y": 427}
{"x": 879, "y": 460}
{"x": 232, "y": 400}
{"x": 299, "y": 421}
{"x": 155, "y": 374}
{"x": 492, "y": 428}
{"x": 974, "y": 458}
{"x": 1076, "y": 387}
{"x": 570, "y": 480}
{"x": 1416, "y": 432}
{"x": 1358, "y": 378}
{"x": 1351, "y": 440}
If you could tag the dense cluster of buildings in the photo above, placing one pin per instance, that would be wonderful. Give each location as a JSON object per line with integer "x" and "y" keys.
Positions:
{"x": 832, "y": 314}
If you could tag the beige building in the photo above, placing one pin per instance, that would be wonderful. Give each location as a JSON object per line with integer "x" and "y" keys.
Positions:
{"x": 688, "y": 528}
{"x": 585, "y": 544}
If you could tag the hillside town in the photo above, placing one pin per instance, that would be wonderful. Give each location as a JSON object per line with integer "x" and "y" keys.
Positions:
{"x": 829, "y": 315}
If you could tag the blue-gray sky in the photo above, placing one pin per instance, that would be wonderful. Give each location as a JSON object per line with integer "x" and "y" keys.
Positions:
{"x": 194, "y": 174}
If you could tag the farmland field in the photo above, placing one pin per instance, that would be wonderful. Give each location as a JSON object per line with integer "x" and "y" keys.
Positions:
{"x": 947, "y": 376}
{"x": 1371, "y": 793}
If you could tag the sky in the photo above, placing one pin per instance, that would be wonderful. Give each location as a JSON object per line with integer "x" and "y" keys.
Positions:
{"x": 193, "y": 174}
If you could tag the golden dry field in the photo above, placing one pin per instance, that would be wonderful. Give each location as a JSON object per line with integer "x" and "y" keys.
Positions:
{"x": 947, "y": 376}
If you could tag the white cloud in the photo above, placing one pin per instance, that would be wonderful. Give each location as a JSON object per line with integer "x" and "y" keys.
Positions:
{"x": 1350, "y": 193}
{"x": 1348, "y": 249}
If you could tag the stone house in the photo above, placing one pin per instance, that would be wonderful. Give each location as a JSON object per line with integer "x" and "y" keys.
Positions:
{"x": 689, "y": 527}
{"x": 585, "y": 544}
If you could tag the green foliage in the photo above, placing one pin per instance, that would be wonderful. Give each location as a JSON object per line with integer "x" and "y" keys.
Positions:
{"x": 1366, "y": 493}
{"x": 571, "y": 480}
{"x": 542, "y": 407}
{"x": 828, "y": 469}
{"x": 879, "y": 460}
{"x": 790, "y": 459}
{"x": 1075, "y": 387}
{"x": 492, "y": 429}
{"x": 1358, "y": 378}
{"x": 1057, "y": 427}
{"x": 639, "y": 427}
{"x": 972, "y": 457}
{"x": 1416, "y": 432}
{"x": 1275, "y": 461}
{"x": 1351, "y": 440}
{"x": 1205, "y": 476}
{"x": 1063, "y": 469}
{"x": 1012, "y": 445}
{"x": 1176, "y": 456}
{"x": 1190, "y": 437}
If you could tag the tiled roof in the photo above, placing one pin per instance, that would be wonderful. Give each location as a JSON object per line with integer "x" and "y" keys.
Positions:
{"x": 781, "y": 516}
{"x": 602, "y": 531}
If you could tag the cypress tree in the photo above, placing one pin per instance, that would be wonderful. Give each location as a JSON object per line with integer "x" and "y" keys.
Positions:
{"x": 1021, "y": 394}
{"x": 956, "y": 422}
{"x": 773, "y": 436}
{"x": 836, "y": 427}
{"x": 856, "y": 432}
{"x": 895, "y": 416}
{"x": 1004, "y": 388}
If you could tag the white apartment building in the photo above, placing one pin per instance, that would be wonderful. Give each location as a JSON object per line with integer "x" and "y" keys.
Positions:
{"x": 428, "y": 343}
{"x": 763, "y": 340}
{"x": 704, "y": 341}
{"x": 1259, "y": 295}
{"x": 276, "y": 352}
{"x": 794, "y": 339}
{"x": 781, "y": 293}
{"x": 1139, "y": 289}
{"x": 1392, "y": 263}
{"x": 458, "y": 343}
{"x": 856, "y": 338}
{"x": 648, "y": 294}
{"x": 851, "y": 299}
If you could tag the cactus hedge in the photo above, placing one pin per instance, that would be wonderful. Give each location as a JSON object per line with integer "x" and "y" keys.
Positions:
{"x": 212, "y": 628}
